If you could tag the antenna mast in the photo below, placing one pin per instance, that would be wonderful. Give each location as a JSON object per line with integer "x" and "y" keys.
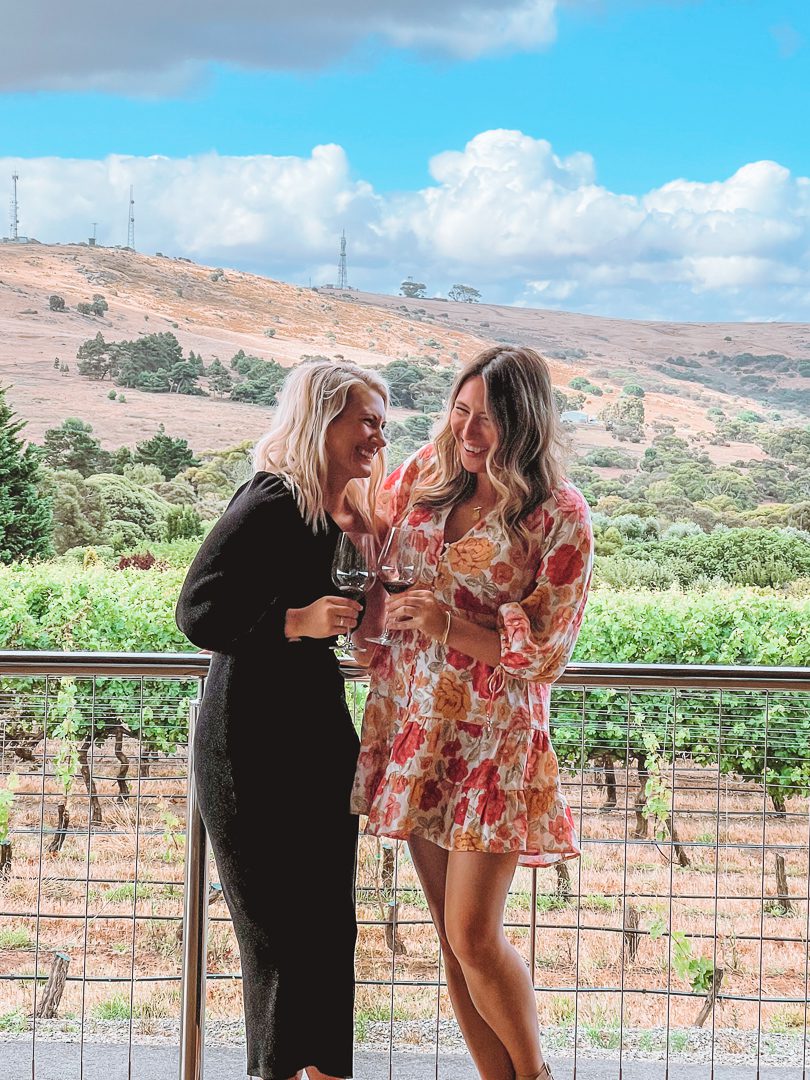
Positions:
{"x": 343, "y": 279}
{"x": 15, "y": 220}
{"x": 131, "y": 225}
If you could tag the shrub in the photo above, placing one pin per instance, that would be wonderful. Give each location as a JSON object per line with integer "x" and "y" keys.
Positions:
{"x": 56, "y": 302}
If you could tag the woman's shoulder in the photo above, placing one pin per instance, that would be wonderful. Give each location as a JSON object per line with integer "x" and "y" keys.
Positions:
{"x": 265, "y": 488}
{"x": 565, "y": 503}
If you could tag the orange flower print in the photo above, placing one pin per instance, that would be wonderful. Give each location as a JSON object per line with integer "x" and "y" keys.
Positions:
{"x": 502, "y": 573}
{"x": 452, "y": 697}
{"x": 473, "y": 554}
{"x": 469, "y": 840}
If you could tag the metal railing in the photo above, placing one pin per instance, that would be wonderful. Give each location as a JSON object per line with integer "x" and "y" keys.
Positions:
{"x": 689, "y": 787}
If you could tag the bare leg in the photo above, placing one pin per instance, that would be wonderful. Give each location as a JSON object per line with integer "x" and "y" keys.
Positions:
{"x": 499, "y": 984}
{"x": 315, "y": 1074}
{"x": 488, "y": 1052}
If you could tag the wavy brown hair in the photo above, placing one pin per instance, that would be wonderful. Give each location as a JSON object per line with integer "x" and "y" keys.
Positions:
{"x": 528, "y": 463}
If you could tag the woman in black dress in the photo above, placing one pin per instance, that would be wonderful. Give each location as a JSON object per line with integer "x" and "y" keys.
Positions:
{"x": 275, "y": 749}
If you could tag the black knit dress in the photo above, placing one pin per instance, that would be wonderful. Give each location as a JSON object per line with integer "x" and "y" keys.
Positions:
{"x": 274, "y": 759}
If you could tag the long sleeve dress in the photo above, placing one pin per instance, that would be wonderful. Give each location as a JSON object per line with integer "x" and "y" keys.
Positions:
{"x": 453, "y": 749}
{"x": 274, "y": 756}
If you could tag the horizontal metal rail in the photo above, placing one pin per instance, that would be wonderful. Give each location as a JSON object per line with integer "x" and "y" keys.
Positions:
{"x": 609, "y": 676}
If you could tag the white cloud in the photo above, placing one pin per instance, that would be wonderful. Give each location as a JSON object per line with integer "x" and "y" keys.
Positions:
{"x": 159, "y": 46}
{"x": 505, "y": 214}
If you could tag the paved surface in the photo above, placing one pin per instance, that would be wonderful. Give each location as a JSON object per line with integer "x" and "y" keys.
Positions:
{"x": 61, "y": 1061}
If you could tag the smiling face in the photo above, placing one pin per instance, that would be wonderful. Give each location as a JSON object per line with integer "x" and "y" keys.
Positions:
{"x": 473, "y": 428}
{"x": 355, "y": 436}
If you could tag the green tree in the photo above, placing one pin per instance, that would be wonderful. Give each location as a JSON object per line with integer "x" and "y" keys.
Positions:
{"x": 133, "y": 514}
{"x": 72, "y": 446}
{"x": 465, "y": 294}
{"x": 413, "y": 289}
{"x": 25, "y": 516}
{"x": 79, "y": 516}
{"x": 56, "y": 302}
{"x": 99, "y": 305}
{"x": 98, "y": 358}
{"x": 183, "y": 523}
{"x": 220, "y": 380}
{"x": 170, "y": 455}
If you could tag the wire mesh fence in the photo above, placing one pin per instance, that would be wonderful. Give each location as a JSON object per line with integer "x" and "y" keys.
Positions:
{"x": 680, "y": 935}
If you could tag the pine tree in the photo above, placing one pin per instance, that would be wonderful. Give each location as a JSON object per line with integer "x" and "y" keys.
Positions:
{"x": 25, "y": 516}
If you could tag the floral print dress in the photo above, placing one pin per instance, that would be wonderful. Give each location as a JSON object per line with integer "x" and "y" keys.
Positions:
{"x": 453, "y": 749}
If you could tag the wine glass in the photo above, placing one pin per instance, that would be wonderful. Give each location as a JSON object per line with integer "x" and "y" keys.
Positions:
{"x": 396, "y": 570}
{"x": 354, "y": 575}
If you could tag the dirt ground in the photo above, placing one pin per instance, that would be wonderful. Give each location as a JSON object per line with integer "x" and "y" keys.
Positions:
{"x": 149, "y": 294}
{"x": 111, "y": 900}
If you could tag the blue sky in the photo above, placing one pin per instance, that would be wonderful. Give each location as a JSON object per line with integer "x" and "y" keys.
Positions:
{"x": 650, "y": 93}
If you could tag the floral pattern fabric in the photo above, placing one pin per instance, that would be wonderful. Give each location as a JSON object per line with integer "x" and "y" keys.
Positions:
{"x": 453, "y": 749}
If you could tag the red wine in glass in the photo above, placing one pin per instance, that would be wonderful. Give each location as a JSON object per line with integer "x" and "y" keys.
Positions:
{"x": 396, "y": 570}
{"x": 354, "y": 574}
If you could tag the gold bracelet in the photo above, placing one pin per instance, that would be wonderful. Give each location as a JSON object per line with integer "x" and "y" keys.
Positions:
{"x": 446, "y": 634}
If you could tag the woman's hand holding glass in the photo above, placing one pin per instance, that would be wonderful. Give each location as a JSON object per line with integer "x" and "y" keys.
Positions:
{"x": 354, "y": 574}
{"x": 417, "y": 609}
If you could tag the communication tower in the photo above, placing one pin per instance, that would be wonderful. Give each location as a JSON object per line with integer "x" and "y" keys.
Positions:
{"x": 15, "y": 219}
{"x": 131, "y": 225}
{"x": 343, "y": 278}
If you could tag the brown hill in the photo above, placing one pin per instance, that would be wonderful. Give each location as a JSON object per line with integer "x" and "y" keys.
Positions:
{"x": 273, "y": 320}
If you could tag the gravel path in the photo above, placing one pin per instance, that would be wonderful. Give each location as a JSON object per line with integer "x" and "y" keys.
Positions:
{"x": 417, "y": 1039}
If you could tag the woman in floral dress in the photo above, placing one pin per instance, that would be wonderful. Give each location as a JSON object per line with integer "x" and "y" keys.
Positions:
{"x": 455, "y": 753}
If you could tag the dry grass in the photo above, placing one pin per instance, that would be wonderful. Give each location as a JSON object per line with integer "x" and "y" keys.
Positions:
{"x": 112, "y": 900}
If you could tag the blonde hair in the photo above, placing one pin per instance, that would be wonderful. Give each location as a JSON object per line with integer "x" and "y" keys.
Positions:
{"x": 313, "y": 395}
{"x": 526, "y": 466}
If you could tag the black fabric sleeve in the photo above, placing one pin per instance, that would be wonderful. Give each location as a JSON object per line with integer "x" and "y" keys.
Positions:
{"x": 230, "y": 599}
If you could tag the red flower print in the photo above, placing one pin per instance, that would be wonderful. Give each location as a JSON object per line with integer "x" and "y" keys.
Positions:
{"x": 481, "y": 675}
{"x": 456, "y": 770}
{"x": 468, "y": 729}
{"x": 466, "y": 601}
{"x": 491, "y": 805}
{"x": 484, "y": 775}
{"x": 431, "y": 795}
{"x": 461, "y": 810}
{"x": 565, "y": 565}
{"x": 458, "y": 660}
{"x": 502, "y": 573}
{"x": 407, "y": 743}
{"x": 451, "y": 749}
{"x": 559, "y": 828}
{"x": 390, "y": 811}
{"x": 418, "y": 541}
{"x": 419, "y": 515}
{"x": 571, "y": 503}
{"x": 514, "y": 660}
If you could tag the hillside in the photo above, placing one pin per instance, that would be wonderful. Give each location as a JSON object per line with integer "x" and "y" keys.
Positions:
{"x": 685, "y": 369}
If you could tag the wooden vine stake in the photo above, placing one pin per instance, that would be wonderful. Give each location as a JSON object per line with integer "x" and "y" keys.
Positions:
{"x": 711, "y": 998}
{"x": 49, "y": 1003}
{"x": 631, "y": 932}
{"x": 392, "y": 938}
{"x": 782, "y": 891}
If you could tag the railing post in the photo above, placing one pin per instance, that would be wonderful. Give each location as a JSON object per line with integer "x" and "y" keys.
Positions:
{"x": 195, "y": 923}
